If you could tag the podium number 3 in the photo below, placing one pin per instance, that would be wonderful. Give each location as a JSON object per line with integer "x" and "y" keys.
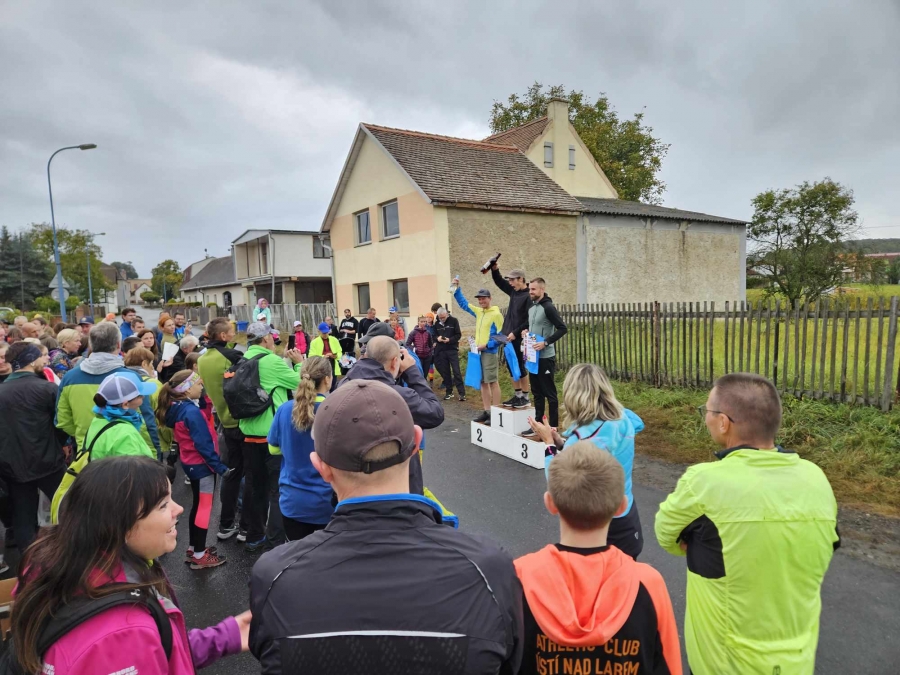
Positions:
{"x": 524, "y": 450}
{"x": 478, "y": 434}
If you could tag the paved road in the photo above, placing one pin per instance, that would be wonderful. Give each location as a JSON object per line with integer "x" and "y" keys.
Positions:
{"x": 860, "y": 627}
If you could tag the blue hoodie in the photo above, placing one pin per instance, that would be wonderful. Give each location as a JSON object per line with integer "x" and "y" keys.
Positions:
{"x": 614, "y": 436}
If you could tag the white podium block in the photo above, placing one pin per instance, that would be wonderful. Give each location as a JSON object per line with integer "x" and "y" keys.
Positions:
{"x": 523, "y": 450}
{"x": 511, "y": 420}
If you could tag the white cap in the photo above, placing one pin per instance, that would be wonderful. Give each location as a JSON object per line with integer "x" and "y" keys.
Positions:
{"x": 298, "y": 323}
{"x": 120, "y": 388}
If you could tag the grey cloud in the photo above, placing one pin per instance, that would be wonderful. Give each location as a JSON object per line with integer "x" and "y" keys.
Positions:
{"x": 215, "y": 117}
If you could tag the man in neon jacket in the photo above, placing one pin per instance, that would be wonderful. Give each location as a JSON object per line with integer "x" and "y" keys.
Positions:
{"x": 759, "y": 530}
{"x": 488, "y": 323}
{"x": 325, "y": 344}
{"x": 261, "y": 470}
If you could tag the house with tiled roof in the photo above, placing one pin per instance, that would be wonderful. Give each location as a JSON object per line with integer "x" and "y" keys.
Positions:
{"x": 215, "y": 282}
{"x": 412, "y": 209}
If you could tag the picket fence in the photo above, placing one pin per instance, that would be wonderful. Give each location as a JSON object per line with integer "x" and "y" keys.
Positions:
{"x": 838, "y": 350}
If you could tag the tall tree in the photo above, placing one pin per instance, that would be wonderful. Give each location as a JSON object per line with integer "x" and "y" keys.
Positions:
{"x": 797, "y": 235}
{"x": 127, "y": 267}
{"x": 626, "y": 149}
{"x": 23, "y": 270}
{"x": 75, "y": 246}
{"x": 167, "y": 271}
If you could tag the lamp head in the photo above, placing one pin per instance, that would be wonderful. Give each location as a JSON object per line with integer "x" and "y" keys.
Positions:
{"x": 87, "y": 146}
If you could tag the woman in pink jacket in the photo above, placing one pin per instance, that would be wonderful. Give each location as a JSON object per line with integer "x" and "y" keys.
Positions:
{"x": 119, "y": 517}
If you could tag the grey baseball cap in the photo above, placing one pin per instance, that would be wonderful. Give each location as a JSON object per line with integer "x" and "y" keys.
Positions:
{"x": 483, "y": 293}
{"x": 120, "y": 388}
{"x": 377, "y": 330}
{"x": 257, "y": 330}
{"x": 515, "y": 274}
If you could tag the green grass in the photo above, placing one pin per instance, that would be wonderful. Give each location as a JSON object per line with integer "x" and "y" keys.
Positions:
{"x": 849, "y": 291}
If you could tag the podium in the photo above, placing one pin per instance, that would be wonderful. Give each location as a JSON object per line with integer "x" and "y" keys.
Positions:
{"x": 503, "y": 436}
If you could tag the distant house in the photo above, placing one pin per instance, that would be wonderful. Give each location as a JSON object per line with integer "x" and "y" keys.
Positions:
{"x": 135, "y": 288}
{"x": 214, "y": 282}
{"x": 283, "y": 266}
{"x": 412, "y": 209}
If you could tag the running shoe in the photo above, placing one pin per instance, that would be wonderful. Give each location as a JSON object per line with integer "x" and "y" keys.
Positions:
{"x": 511, "y": 402}
{"x": 228, "y": 532}
{"x": 448, "y": 396}
{"x": 483, "y": 418}
{"x": 187, "y": 481}
{"x": 4, "y": 567}
{"x": 521, "y": 402}
{"x": 461, "y": 399}
{"x": 257, "y": 546}
{"x": 242, "y": 535}
{"x": 529, "y": 434}
{"x": 189, "y": 554}
{"x": 210, "y": 559}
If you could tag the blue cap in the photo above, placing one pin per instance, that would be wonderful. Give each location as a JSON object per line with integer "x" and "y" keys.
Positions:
{"x": 324, "y": 328}
{"x": 86, "y": 319}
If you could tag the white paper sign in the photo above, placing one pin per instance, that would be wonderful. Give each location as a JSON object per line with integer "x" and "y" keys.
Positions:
{"x": 170, "y": 349}
{"x": 531, "y": 354}
{"x": 473, "y": 346}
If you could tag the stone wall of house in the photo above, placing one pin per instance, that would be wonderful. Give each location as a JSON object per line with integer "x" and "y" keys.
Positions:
{"x": 544, "y": 245}
{"x": 630, "y": 259}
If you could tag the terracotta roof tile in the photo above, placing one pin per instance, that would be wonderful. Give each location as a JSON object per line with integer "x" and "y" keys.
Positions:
{"x": 460, "y": 171}
{"x": 522, "y": 136}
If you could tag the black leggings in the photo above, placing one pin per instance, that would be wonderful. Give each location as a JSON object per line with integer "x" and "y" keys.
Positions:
{"x": 625, "y": 533}
{"x": 294, "y": 530}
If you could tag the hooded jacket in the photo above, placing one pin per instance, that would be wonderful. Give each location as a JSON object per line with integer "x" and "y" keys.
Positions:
{"x": 30, "y": 448}
{"x": 421, "y": 341}
{"x": 447, "y": 328}
{"x": 516, "y": 319}
{"x": 274, "y": 376}
{"x": 596, "y": 605}
{"x": 425, "y": 407}
{"x": 386, "y": 588}
{"x": 212, "y": 365}
{"x": 196, "y": 440}
{"x": 544, "y": 320}
{"x": 487, "y": 322}
{"x": 125, "y": 640}
{"x": 75, "y": 400}
{"x": 317, "y": 348}
{"x": 760, "y": 528}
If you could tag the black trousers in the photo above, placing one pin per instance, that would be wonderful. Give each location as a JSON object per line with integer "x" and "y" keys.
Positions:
{"x": 256, "y": 501}
{"x": 543, "y": 388}
{"x": 625, "y": 533}
{"x": 426, "y": 362}
{"x": 231, "y": 486}
{"x": 24, "y": 497}
{"x": 348, "y": 346}
{"x": 295, "y": 530}
{"x": 446, "y": 360}
{"x": 275, "y": 522}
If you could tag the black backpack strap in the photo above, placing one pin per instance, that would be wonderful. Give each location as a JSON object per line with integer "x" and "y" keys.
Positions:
{"x": 90, "y": 448}
{"x": 75, "y": 613}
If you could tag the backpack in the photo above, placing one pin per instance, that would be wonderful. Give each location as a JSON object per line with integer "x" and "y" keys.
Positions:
{"x": 71, "y": 615}
{"x": 81, "y": 460}
{"x": 243, "y": 391}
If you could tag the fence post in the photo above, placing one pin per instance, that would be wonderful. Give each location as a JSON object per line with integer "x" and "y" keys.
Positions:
{"x": 656, "y": 336}
{"x": 887, "y": 396}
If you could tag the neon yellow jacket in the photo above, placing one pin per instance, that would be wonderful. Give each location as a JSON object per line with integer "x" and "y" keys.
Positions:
{"x": 317, "y": 348}
{"x": 760, "y": 529}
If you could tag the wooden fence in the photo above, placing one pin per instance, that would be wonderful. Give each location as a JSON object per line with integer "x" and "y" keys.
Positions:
{"x": 835, "y": 350}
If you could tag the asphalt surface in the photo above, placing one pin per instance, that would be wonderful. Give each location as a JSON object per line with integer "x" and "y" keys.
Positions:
{"x": 860, "y": 623}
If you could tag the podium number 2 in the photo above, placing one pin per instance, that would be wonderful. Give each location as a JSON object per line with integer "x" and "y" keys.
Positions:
{"x": 500, "y": 416}
{"x": 478, "y": 434}
{"x": 524, "y": 450}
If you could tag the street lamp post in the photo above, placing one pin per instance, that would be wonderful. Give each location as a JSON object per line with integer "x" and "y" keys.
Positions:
{"x": 59, "y": 279}
{"x": 87, "y": 252}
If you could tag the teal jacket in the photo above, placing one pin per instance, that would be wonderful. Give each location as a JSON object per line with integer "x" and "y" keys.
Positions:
{"x": 75, "y": 401}
{"x": 274, "y": 374}
{"x": 760, "y": 529}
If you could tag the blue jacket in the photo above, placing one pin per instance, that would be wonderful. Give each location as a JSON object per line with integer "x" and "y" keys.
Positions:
{"x": 614, "y": 436}
{"x": 196, "y": 446}
{"x": 125, "y": 329}
{"x": 305, "y": 496}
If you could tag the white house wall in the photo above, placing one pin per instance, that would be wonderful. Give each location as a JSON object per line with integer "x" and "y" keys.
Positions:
{"x": 631, "y": 259}
{"x": 294, "y": 257}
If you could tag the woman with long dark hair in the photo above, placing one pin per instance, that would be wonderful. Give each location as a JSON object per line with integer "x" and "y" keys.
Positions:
{"x": 118, "y": 518}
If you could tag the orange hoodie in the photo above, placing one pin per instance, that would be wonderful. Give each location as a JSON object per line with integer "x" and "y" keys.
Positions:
{"x": 596, "y": 611}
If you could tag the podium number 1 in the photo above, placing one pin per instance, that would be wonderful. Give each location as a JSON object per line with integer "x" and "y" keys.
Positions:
{"x": 478, "y": 434}
{"x": 500, "y": 415}
{"x": 524, "y": 450}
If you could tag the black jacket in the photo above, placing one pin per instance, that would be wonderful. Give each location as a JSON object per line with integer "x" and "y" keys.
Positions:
{"x": 430, "y": 598}
{"x": 30, "y": 445}
{"x": 348, "y": 324}
{"x": 233, "y": 355}
{"x": 364, "y": 325}
{"x": 448, "y": 329}
{"x": 516, "y": 319}
{"x": 425, "y": 407}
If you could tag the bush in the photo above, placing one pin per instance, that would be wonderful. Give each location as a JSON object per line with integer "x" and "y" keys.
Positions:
{"x": 211, "y": 304}
{"x": 150, "y": 296}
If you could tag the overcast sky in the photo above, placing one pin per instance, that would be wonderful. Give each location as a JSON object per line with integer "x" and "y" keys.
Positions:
{"x": 225, "y": 116}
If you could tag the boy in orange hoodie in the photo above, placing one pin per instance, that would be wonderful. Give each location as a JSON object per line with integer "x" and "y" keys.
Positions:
{"x": 589, "y": 607}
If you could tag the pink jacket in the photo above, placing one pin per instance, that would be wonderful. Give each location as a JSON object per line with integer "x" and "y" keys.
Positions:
{"x": 125, "y": 640}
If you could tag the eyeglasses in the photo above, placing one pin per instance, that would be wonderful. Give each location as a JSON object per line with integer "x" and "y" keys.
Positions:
{"x": 702, "y": 409}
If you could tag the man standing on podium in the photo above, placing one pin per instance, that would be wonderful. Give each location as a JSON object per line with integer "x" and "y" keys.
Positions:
{"x": 546, "y": 327}
{"x": 516, "y": 320}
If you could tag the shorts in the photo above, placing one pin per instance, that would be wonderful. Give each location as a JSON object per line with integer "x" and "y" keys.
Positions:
{"x": 520, "y": 357}
{"x": 490, "y": 368}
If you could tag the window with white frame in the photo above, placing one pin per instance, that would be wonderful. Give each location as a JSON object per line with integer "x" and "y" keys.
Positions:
{"x": 400, "y": 295}
{"x": 363, "y": 231}
{"x": 321, "y": 247}
{"x": 362, "y": 299}
{"x": 571, "y": 157}
{"x": 390, "y": 220}
{"x": 548, "y": 154}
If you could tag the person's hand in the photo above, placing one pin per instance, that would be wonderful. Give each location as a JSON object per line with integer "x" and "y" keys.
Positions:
{"x": 558, "y": 440}
{"x": 406, "y": 361}
{"x": 683, "y": 545}
{"x": 538, "y": 346}
{"x": 228, "y": 472}
{"x": 543, "y": 430}
{"x": 166, "y": 364}
{"x": 332, "y": 356}
{"x": 495, "y": 266}
{"x": 481, "y": 348}
{"x": 511, "y": 337}
{"x": 295, "y": 355}
{"x": 243, "y": 622}
{"x": 524, "y": 333}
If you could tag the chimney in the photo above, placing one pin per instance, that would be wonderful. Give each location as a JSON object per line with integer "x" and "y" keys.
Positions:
{"x": 558, "y": 108}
